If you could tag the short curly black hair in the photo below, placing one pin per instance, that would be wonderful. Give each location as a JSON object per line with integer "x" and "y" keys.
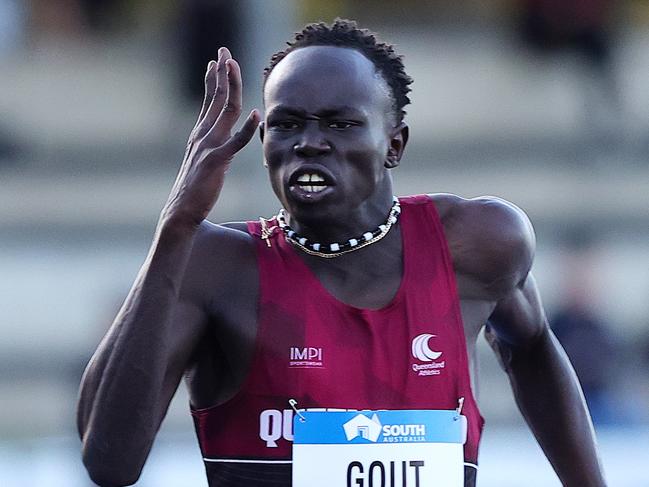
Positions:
{"x": 346, "y": 33}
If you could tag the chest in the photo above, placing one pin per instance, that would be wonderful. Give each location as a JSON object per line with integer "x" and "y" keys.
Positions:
{"x": 368, "y": 279}
{"x": 404, "y": 354}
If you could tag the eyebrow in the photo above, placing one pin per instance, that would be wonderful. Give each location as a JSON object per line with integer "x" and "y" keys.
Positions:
{"x": 328, "y": 112}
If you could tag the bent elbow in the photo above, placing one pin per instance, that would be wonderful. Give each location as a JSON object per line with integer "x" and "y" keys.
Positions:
{"x": 107, "y": 471}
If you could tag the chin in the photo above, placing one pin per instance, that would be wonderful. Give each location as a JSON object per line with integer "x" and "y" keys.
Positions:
{"x": 313, "y": 212}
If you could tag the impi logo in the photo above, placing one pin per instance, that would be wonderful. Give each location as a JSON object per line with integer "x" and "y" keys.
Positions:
{"x": 361, "y": 425}
{"x": 306, "y": 358}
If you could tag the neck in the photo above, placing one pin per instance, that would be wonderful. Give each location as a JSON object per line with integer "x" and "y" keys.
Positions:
{"x": 341, "y": 227}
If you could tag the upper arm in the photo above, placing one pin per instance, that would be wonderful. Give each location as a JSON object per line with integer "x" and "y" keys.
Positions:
{"x": 219, "y": 294}
{"x": 220, "y": 269}
{"x": 518, "y": 319}
{"x": 189, "y": 325}
{"x": 493, "y": 243}
{"x": 136, "y": 370}
{"x": 218, "y": 253}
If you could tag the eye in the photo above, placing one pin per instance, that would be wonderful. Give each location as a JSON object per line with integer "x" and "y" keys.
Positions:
{"x": 341, "y": 124}
{"x": 284, "y": 124}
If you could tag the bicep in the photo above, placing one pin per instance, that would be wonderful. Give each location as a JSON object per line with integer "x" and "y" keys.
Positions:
{"x": 218, "y": 279}
{"x": 189, "y": 326}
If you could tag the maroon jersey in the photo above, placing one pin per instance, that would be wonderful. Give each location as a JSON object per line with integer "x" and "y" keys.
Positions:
{"x": 311, "y": 347}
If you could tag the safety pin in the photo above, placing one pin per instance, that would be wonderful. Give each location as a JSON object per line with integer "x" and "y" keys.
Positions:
{"x": 458, "y": 410}
{"x": 266, "y": 231}
{"x": 293, "y": 404}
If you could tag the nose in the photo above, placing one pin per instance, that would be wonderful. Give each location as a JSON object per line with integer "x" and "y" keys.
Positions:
{"x": 311, "y": 142}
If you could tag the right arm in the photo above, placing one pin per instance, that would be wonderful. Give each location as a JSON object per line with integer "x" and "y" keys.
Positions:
{"x": 131, "y": 378}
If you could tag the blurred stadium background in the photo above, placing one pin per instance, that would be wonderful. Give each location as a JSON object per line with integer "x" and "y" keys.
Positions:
{"x": 542, "y": 102}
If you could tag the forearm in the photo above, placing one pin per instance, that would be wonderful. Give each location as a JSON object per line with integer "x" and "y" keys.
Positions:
{"x": 121, "y": 389}
{"x": 131, "y": 379}
{"x": 549, "y": 396}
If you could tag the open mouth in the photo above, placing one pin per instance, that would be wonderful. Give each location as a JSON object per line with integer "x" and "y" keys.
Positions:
{"x": 310, "y": 181}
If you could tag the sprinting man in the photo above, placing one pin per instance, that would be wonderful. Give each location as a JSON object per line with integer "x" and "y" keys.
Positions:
{"x": 347, "y": 298}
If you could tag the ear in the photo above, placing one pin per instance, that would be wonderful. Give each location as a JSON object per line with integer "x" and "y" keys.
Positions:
{"x": 261, "y": 137}
{"x": 261, "y": 131}
{"x": 398, "y": 141}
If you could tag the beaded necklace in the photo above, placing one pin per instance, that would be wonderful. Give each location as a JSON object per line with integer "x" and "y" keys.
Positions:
{"x": 331, "y": 250}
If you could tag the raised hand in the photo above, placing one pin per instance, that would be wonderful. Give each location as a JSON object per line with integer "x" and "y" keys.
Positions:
{"x": 211, "y": 146}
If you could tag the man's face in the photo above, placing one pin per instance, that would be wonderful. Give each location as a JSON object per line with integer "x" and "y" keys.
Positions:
{"x": 327, "y": 131}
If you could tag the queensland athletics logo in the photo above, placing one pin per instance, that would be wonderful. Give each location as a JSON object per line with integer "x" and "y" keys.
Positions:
{"x": 422, "y": 352}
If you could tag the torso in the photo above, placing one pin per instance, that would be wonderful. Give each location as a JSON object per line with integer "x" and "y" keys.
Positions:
{"x": 213, "y": 380}
{"x": 350, "y": 305}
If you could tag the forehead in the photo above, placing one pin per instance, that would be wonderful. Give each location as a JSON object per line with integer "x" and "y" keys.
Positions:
{"x": 317, "y": 77}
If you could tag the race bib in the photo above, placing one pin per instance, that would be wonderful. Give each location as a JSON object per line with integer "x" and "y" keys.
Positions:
{"x": 408, "y": 448}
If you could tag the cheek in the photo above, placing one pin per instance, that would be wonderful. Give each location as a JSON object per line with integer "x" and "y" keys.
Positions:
{"x": 374, "y": 143}
{"x": 276, "y": 184}
{"x": 273, "y": 158}
{"x": 362, "y": 157}
{"x": 273, "y": 152}
{"x": 367, "y": 152}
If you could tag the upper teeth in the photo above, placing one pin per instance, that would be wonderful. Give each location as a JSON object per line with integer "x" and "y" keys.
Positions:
{"x": 310, "y": 178}
{"x": 311, "y": 183}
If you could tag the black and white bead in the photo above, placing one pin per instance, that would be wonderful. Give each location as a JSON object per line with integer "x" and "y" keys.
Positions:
{"x": 335, "y": 248}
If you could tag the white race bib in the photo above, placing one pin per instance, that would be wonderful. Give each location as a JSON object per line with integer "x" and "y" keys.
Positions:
{"x": 407, "y": 448}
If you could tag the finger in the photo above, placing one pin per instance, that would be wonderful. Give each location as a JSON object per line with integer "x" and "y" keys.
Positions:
{"x": 210, "y": 87}
{"x": 222, "y": 78}
{"x": 232, "y": 107}
{"x": 243, "y": 136}
{"x": 220, "y": 92}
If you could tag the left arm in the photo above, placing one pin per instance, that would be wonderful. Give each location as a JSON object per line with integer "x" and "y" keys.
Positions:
{"x": 545, "y": 385}
{"x": 492, "y": 243}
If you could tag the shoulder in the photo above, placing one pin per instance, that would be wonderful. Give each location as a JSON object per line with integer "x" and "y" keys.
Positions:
{"x": 491, "y": 241}
{"x": 223, "y": 259}
{"x": 227, "y": 239}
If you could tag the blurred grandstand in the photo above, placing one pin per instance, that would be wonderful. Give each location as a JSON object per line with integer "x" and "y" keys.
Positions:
{"x": 97, "y": 99}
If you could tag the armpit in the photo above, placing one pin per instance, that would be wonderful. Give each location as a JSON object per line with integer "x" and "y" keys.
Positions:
{"x": 501, "y": 350}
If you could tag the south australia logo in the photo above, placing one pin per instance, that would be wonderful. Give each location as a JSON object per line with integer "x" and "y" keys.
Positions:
{"x": 422, "y": 352}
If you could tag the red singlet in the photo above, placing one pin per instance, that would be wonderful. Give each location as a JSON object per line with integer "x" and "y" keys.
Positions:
{"x": 410, "y": 354}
